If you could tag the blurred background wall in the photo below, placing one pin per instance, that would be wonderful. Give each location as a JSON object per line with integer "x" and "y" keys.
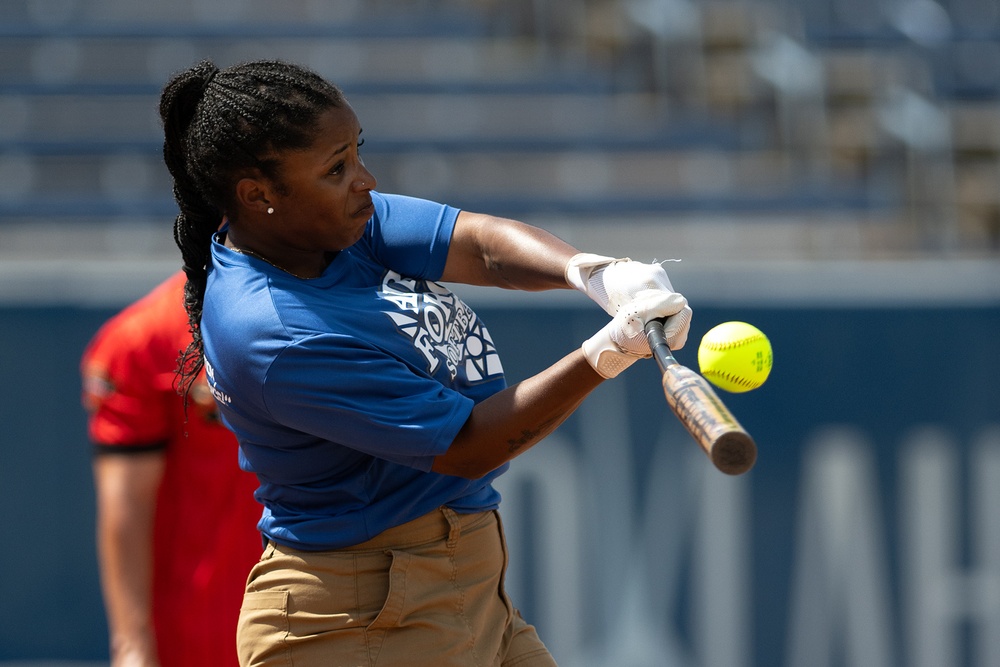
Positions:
{"x": 826, "y": 169}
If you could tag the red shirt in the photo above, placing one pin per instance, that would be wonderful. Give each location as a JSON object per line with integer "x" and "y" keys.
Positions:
{"x": 205, "y": 536}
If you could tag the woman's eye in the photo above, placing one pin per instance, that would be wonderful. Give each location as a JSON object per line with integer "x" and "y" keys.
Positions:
{"x": 337, "y": 168}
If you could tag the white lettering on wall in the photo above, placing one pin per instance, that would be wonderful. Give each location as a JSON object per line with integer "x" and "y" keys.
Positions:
{"x": 940, "y": 594}
{"x": 613, "y": 600}
{"x": 840, "y": 585}
{"x": 649, "y": 565}
{"x": 554, "y": 522}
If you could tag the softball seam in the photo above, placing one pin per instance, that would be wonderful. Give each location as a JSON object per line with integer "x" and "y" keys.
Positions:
{"x": 729, "y": 345}
{"x": 734, "y": 379}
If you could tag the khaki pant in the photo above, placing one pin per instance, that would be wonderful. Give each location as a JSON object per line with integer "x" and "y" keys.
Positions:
{"x": 429, "y": 592}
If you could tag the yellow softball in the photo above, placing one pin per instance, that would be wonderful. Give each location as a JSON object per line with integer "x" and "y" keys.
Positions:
{"x": 735, "y": 356}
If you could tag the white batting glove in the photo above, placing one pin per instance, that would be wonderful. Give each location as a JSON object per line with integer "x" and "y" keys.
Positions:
{"x": 622, "y": 341}
{"x": 610, "y": 282}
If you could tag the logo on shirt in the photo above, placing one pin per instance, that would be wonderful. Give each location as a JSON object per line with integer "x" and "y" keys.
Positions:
{"x": 442, "y": 327}
{"x": 97, "y": 387}
{"x": 219, "y": 395}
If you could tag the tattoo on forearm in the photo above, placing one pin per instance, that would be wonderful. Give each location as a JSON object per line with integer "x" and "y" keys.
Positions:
{"x": 527, "y": 438}
{"x": 530, "y": 437}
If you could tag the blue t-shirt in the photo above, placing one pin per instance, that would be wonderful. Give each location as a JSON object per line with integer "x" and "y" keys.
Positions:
{"x": 342, "y": 389}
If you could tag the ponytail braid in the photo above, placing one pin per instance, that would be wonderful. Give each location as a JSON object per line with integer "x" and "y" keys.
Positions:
{"x": 217, "y": 126}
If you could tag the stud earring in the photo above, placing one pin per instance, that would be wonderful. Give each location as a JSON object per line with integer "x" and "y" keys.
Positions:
{"x": 270, "y": 211}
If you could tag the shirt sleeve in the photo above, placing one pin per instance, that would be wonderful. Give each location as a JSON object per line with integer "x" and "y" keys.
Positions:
{"x": 124, "y": 387}
{"x": 342, "y": 390}
{"x": 123, "y": 391}
{"x": 412, "y": 236}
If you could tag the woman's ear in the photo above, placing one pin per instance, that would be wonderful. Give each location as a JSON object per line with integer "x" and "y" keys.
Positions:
{"x": 253, "y": 194}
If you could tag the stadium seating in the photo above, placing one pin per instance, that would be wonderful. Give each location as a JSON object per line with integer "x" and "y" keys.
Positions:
{"x": 554, "y": 110}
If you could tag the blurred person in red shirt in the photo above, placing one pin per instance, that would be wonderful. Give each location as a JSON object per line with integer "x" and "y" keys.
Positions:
{"x": 176, "y": 517}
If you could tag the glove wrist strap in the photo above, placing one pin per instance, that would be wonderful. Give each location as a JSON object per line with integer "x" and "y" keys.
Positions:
{"x": 580, "y": 268}
{"x": 605, "y": 357}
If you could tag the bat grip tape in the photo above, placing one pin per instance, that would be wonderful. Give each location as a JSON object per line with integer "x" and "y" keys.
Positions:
{"x": 658, "y": 344}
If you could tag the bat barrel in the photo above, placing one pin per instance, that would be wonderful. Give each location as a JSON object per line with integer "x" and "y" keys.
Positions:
{"x": 708, "y": 420}
{"x": 703, "y": 414}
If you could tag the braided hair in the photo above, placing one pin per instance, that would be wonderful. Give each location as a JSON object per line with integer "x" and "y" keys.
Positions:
{"x": 219, "y": 126}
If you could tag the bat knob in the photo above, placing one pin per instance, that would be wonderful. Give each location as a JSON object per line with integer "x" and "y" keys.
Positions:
{"x": 734, "y": 453}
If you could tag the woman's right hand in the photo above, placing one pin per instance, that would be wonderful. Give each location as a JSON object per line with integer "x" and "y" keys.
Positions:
{"x": 623, "y": 340}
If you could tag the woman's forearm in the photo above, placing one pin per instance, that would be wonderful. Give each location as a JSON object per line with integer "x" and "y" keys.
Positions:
{"x": 509, "y": 423}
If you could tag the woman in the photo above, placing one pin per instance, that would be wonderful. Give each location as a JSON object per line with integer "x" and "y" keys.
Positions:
{"x": 366, "y": 397}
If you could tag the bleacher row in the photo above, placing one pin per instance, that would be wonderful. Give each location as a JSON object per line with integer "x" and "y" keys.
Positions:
{"x": 589, "y": 113}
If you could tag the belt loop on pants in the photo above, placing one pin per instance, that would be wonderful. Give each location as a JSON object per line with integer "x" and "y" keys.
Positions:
{"x": 454, "y": 526}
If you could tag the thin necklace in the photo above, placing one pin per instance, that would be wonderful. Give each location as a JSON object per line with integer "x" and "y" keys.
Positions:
{"x": 243, "y": 251}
